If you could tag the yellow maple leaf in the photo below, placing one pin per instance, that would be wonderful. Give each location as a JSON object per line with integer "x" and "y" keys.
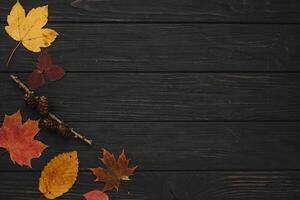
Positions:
{"x": 59, "y": 175}
{"x": 29, "y": 30}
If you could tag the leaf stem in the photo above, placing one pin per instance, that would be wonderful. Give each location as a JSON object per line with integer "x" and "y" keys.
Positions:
{"x": 12, "y": 53}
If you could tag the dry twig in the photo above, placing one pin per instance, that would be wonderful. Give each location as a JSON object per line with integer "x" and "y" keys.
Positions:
{"x": 70, "y": 131}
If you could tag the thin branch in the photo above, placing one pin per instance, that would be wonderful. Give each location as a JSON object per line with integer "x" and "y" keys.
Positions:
{"x": 21, "y": 84}
{"x": 53, "y": 116}
{"x": 76, "y": 134}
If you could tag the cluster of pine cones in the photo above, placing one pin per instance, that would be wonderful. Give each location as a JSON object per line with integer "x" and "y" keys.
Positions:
{"x": 41, "y": 103}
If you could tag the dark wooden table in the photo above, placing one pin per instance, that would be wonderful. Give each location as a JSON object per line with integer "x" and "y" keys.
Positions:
{"x": 204, "y": 95}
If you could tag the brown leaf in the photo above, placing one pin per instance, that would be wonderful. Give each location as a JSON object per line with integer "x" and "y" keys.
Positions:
{"x": 115, "y": 170}
{"x": 44, "y": 71}
{"x": 18, "y": 139}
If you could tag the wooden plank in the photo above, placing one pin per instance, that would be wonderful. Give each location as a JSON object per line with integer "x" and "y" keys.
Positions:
{"x": 166, "y": 10}
{"x": 166, "y": 47}
{"x": 169, "y": 48}
{"x": 181, "y": 146}
{"x": 167, "y": 96}
{"x": 169, "y": 185}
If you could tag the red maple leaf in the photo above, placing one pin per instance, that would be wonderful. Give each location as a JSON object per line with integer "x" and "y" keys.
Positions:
{"x": 115, "y": 170}
{"x": 18, "y": 139}
{"x": 95, "y": 195}
{"x": 44, "y": 71}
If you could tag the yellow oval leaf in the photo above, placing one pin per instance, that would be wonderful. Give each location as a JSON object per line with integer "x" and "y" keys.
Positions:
{"x": 59, "y": 175}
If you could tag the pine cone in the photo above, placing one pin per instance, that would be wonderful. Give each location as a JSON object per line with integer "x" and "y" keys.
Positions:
{"x": 51, "y": 124}
{"x": 31, "y": 100}
{"x": 43, "y": 105}
{"x": 64, "y": 130}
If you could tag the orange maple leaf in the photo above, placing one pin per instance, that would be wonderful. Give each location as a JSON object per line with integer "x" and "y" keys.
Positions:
{"x": 115, "y": 170}
{"x": 18, "y": 139}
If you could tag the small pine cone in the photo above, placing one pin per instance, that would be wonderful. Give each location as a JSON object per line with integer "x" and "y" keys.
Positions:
{"x": 31, "y": 100}
{"x": 51, "y": 124}
{"x": 43, "y": 105}
{"x": 64, "y": 130}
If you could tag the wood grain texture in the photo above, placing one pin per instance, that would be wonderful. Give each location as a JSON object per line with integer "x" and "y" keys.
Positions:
{"x": 166, "y": 96}
{"x": 166, "y": 10}
{"x": 170, "y": 186}
{"x": 180, "y": 146}
{"x": 203, "y": 96}
{"x": 166, "y": 47}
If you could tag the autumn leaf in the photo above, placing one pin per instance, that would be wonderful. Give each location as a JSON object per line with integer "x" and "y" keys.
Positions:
{"x": 29, "y": 30}
{"x": 18, "y": 139}
{"x": 115, "y": 170}
{"x": 59, "y": 175}
{"x": 95, "y": 195}
{"x": 44, "y": 71}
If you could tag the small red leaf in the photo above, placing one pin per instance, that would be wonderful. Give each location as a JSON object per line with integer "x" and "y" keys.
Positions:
{"x": 44, "y": 71}
{"x": 36, "y": 80}
{"x": 54, "y": 73}
{"x": 95, "y": 195}
{"x": 44, "y": 61}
